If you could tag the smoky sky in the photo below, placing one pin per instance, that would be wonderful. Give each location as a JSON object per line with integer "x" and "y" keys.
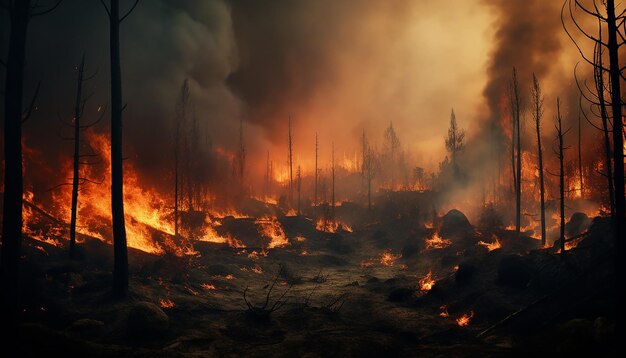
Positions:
{"x": 337, "y": 67}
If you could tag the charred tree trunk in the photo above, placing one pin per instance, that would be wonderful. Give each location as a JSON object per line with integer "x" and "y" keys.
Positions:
{"x": 290, "y": 143}
{"x": 13, "y": 187}
{"x": 120, "y": 249}
{"x": 77, "y": 115}
{"x": 518, "y": 183}
{"x": 369, "y": 179}
{"x": 599, "y": 81}
{"x": 332, "y": 197}
{"x": 299, "y": 180}
{"x": 316, "y": 170}
{"x": 580, "y": 158}
{"x": 618, "y": 151}
{"x": 538, "y": 112}
{"x": 560, "y": 134}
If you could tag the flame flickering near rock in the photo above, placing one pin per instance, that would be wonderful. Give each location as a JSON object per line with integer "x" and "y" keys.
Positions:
{"x": 269, "y": 227}
{"x": 437, "y": 242}
{"x": 491, "y": 245}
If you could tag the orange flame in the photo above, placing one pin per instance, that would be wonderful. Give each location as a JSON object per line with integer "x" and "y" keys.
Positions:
{"x": 437, "y": 242}
{"x": 166, "y": 303}
{"x": 464, "y": 320}
{"x": 427, "y": 282}
{"x": 270, "y": 228}
{"x": 491, "y": 245}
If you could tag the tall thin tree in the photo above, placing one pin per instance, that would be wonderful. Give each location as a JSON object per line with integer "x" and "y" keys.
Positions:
{"x": 560, "y": 134}
{"x": 580, "y": 157}
{"x": 180, "y": 118}
{"x": 316, "y": 170}
{"x": 455, "y": 142}
{"x": 290, "y": 144}
{"x": 19, "y": 13}
{"x": 332, "y": 197}
{"x": 299, "y": 181}
{"x": 537, "y": 97}
{"x": 515, "y": 112}
{"x": 120, "y": 249}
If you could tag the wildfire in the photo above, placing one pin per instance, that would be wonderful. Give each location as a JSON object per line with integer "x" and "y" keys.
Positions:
{"x": 329, "y": 225}
{"x": 444, "y": 311}
{"x": 291, "y": 212}
{"x": 210, "y": 235}
{"x": 437, "y": 242}
{"x": 166, "y": 303}
{"x": 427, "y": 283}
{"x": 208, "y": 286}
{"x": 270, "y": 228}
{"x": 389, "y": 259}
{"x": 465, "y": 319}
{"x": 491, "y": 245}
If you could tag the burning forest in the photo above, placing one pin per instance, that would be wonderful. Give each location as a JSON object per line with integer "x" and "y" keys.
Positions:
{"x": 326, "y": 178}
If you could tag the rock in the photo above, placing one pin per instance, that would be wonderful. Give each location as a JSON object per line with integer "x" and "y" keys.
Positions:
{"x": 577, "y": 224}
{"x": 400, "y": 294}
{"x": 513, "y": 271}
{"x": 146, "y": 318}
{"x": 86, "y": 328}
{"x": 454, "y": 224}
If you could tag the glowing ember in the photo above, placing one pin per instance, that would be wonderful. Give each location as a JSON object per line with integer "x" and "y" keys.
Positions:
{"x": 304, "y": 253}
{"x": 464, "y": 320}
{"x": 254, "y": 255}
{"x": 166, "y": 303}
{"x": 427, "y": 282}
{"x": 437, "y": 242}
{"x": 300, "y": 238}
{"x": 208, "y": 286}
{"x": 444, "y": 311}
{"x": 211, "y": 235}
{"x": 346, "y": 228}
{"x": 291, "y": 212}
{"x": 491, "y": 245}
{"x": 257, "y": 269}
{"x": 389, "y": 259}
{"x": 270, "y": 228}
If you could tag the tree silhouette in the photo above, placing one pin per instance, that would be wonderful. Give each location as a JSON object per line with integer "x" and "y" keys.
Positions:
{"x": 560, "y": 134}
{"x": 392, "y": 144}
{"x": 515, "y": 100}
{"x": 455, "y": 142}
{"x": 537, "y": 98}
{"x": 120, "y": 249}
{"x": 19, "y": 13}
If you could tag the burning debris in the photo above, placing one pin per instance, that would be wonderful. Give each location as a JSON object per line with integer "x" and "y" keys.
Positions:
{"x": 427, "y": 283}
{"x": 270, "y": 228}
{"x": 464, "y": 320}
{"x": 166, "y": 303}
{"x": 437, "y": 242}
{"x": 491, "y": 245}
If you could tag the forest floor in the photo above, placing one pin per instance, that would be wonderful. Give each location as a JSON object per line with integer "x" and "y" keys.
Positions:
{"x": 357, "y": 293}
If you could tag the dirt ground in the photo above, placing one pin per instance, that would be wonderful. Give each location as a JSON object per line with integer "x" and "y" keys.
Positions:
{"x": 356, "y": 293}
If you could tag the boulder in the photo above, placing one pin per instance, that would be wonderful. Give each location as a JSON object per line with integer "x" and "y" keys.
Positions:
{"x": 577, "y": 224}
{"x": 454, "y": 224}
{"x": 146, "y": 318}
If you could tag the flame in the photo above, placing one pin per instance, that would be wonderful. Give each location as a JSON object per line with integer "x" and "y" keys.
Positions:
{"x": 208, "y": 286}
{"x": 437, "y": 242}
{"x": 464, "y": 320}
{"x": 266, "y": 199}
{"x": 389, "y": 259}
{"x": 166, "y": 303}
{"x": 291, "y": 212}
{"x": 254, "y": 255}
{"x": 326, "y": 225}
{"x": 270, "y": 228}
{"x": 491, "y": 245}
{"x": 444, "y": 311}
{"x": 427, "y": 282}
{"x": 346, "y": 228}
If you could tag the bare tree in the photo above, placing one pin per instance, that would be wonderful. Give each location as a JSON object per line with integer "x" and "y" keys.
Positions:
{"x": 392, "y": 144}
{"x": 120, "y": 249}
{"x": 560, "y": 134}
{"x": 20, "y": 14}
{"x": 612, "y": 22}
{"x": 455, "y": 142}
{"x": 299, "y": 182}
{"x": 537, "y": 98}
{"x": 181, "y": 114}
{"x": 515, "y": 115}
{"x": 332, "y": 196}
{"x": 290, "y": 144}
{"x": 78, "y": 126}
{"x": 580, "y": 157}
{"x": 369, "y": 170}
{"x": 316, "y": 170}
